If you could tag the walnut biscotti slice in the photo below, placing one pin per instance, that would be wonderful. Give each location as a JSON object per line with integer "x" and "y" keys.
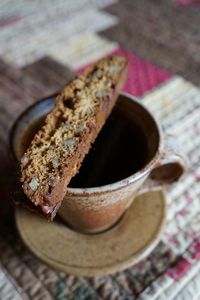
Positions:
{"x": 57, "y": 150}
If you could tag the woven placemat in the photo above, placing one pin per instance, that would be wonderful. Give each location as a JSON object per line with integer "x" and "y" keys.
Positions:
{"x": 163, "y": 32}
{"x": 37, "y": 67}
{"x": 177, "y": 106}
{"x": 174, "y": 263}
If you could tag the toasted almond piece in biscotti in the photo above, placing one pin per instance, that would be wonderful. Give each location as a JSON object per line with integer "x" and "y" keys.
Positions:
{"x": 57, "y": 150}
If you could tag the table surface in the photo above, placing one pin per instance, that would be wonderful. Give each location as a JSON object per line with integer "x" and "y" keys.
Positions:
{"x": 42, "y": 45}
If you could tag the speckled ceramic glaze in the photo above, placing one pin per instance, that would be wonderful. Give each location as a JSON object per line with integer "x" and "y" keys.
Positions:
{"x": 125, "y": 244}
{"x": 96, "y": 209}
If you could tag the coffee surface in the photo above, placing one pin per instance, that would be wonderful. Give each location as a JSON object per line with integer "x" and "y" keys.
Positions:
{"x": 119, "y": 151}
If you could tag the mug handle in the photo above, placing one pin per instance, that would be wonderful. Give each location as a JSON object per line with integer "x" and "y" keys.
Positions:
{"x": 171, "y": 166}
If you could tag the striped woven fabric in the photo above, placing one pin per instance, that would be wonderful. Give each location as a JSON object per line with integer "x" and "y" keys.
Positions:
{"x": 41, "y": 46}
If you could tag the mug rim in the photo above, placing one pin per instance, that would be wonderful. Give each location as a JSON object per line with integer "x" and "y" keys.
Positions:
{"x": 18, "y": 119}
{"x": 107, "y": 187}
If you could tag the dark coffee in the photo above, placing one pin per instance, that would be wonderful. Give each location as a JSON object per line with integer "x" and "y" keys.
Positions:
{"x": 119, "y": 151}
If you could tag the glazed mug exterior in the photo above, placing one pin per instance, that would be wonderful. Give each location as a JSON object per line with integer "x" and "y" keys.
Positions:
{"x": 92, "y": 210}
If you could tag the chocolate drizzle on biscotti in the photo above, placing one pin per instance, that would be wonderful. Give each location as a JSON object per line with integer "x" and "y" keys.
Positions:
{"x": 57, "y": 150}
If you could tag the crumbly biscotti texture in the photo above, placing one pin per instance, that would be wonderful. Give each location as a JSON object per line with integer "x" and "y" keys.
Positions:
{"x": 57, "y": 150}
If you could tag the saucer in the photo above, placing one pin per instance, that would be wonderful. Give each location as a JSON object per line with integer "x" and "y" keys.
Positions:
{"x": 125, "y": 244}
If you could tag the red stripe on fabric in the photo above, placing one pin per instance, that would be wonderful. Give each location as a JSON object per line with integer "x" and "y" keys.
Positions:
{"x": 182, "y": 266}
{"x": 142, "y": 75}
{"x": 188, "y": 3}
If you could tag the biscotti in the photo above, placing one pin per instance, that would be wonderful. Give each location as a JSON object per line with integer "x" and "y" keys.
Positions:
{"x": 57, "y": 150}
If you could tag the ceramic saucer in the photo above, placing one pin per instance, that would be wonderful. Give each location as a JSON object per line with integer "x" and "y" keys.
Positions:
{"x": 116, "y": 249}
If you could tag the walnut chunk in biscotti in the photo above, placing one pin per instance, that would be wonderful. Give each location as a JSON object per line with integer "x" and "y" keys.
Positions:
{"x": 101, "y": 93}
{"x": 55, "y": 162}
{"x": 114, "y": 69}
{"x": 67, "y": 125}
{"x": 34, "y": 184}
{"x": 80, "y": 128}
{"x": 24, "y": 160}
{"x": 69, "y": 142}
{"x": 79, "y": 84}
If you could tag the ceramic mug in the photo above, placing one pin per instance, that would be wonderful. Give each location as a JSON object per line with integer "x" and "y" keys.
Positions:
{"x": 92, "y": 210}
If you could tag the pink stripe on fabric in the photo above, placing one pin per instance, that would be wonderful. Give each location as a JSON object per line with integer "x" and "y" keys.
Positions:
{"x": 142, "y": 75}
{"x": 196, "y": 250}
{"x": 188, "y": 3}
{"x": 182, "y": 266}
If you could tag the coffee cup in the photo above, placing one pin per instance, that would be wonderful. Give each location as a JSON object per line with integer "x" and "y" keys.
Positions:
{"x": 93, "y": 209}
